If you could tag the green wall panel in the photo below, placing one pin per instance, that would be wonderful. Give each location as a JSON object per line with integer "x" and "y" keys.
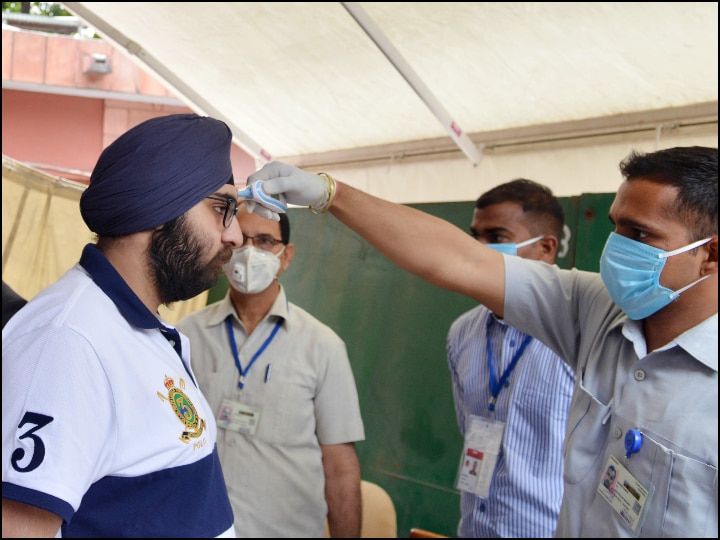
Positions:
{"x": 394, "y": 325}
{"x": 566, "y": 250}
{"x": 593, "y": 227}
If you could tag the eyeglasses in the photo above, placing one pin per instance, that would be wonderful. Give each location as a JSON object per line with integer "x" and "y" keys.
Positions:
{"x": 262, "y": 241}
{"x": 230, "y": 210}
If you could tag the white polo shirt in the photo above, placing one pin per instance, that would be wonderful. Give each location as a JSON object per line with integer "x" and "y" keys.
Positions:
{"x": 103, "y": 423}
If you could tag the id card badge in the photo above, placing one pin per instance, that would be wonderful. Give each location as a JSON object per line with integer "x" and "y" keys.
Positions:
{"x": 480, "y": 452}
{"x": 625, "y": 494}
{"x": 236, "y": 416}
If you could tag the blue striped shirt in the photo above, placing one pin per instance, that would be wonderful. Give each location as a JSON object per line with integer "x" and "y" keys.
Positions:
{"x": 527, "y": 485}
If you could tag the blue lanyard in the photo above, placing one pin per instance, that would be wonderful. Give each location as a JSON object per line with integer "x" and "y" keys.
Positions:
{"x": 495, "y": 385}
{"x": 233, "y": 346}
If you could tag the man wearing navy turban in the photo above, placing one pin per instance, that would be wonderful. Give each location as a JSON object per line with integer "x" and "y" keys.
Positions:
{"x": 155, "y": 172}
{"x": 105, "y": 432}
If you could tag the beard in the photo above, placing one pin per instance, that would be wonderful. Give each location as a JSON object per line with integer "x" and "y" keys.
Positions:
{"x": 176, "y": 262}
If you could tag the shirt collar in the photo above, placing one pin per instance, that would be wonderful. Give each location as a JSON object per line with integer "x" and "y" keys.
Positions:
{"x": 700, "y": 341}
{"x": 496, "y": 319}
{"x": 279, "y": 309}
{"x": 114, "y": 286}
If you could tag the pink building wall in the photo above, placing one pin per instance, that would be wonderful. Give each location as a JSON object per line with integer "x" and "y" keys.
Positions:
{"x": 58, "y": 116}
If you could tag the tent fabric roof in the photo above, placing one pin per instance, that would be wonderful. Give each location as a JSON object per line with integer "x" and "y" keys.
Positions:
{"x": 308, "y": 80}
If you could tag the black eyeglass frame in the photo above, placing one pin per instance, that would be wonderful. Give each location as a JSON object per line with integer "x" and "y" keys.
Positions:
{"x": 231, "y": 208}
{"x": 260, "y": 239}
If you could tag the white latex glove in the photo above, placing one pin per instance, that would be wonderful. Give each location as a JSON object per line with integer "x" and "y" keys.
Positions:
{"x": 261, "y": 204}
{"x": 297, "y": 186}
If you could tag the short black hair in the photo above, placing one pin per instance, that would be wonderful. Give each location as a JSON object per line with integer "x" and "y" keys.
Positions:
{"x": 693, "y": 170}
{"x": 544, "y": 212}
{"x": 284, "y": 228}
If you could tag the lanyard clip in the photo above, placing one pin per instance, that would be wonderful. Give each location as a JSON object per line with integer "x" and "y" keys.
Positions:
{"x": 633, "y": 442}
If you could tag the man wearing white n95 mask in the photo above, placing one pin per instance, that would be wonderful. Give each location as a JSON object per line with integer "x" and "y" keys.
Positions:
{"x": 252, "y": 269}
{"x": 280, "y": 385}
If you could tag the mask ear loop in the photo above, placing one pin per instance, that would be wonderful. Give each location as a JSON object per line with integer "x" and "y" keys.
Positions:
{"x": 528, "y": 242}
{"x": 689, "y": 247}
{"x": 686, "y": 287}
{"x": 683, "y": 249}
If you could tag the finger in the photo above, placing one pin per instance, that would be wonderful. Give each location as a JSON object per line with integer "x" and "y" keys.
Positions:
{"x": 274, "y": 186}
{"x": 265, "y": 213}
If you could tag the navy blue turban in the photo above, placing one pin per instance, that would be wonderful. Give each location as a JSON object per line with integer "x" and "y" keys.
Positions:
{"x": 156, "y": 172}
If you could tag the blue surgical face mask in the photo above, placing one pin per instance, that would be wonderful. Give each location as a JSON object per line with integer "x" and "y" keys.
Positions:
{"x": 510, "y": 248}
{"x": 631, "y": 272}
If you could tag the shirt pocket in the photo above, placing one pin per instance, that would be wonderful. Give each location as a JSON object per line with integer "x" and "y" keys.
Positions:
{"x": 287, "y": 417}
{"x": 587, "y": 432}
{"x": 684, "y": 503}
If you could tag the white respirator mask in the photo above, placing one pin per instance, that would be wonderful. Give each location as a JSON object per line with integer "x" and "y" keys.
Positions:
{"x": 252, "y": 270}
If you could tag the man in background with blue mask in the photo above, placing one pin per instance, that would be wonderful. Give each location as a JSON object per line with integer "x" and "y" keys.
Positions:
{"x": 504, "y": 379}
{"x": 280, "y": 385}
{"x": 645, "y": 398}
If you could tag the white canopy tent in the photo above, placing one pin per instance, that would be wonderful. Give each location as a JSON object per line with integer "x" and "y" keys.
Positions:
{"x": 429, "y": 102}
{"x": 412, "y": 101}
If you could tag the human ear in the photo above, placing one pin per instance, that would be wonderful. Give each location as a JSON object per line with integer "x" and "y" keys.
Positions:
{"x": 287, "y": 256}
{"x": 548, "y": 249}
{"x": 710, "y": 264}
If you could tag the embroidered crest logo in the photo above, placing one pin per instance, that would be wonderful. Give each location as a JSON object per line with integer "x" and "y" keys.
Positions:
{"x": 184, "y": 410}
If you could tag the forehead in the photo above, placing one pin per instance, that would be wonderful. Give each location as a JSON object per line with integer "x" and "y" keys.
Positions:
{"x": 644, "y": 202}
{"x": 228, "y": 190}
{"x": 253, "y": 224}
{"x": 507, "y": 215}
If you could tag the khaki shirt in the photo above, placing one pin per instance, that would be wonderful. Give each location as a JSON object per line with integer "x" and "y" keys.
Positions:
{"x": 275, "y": 477}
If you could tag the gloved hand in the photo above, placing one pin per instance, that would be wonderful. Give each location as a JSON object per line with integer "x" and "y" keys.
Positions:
{"x": 298, "y": 187}
{"x": 258, "y": 202}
